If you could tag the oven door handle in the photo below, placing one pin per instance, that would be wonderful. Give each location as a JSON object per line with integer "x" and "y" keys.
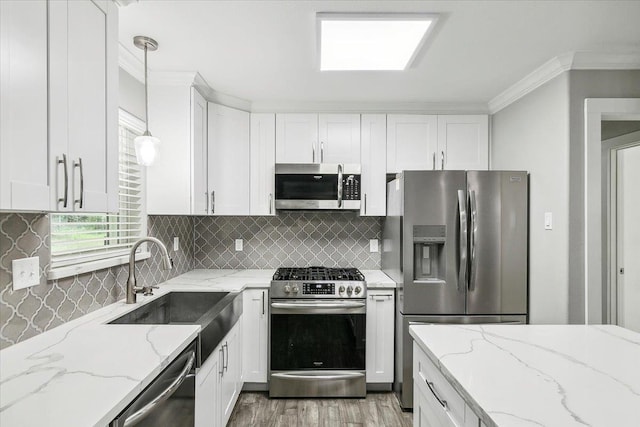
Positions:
{"x": 306, "y": 305}
{"x": 307, "y": 377}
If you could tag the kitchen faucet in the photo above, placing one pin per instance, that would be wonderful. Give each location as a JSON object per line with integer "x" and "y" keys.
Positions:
{"x": 132, "y": 289}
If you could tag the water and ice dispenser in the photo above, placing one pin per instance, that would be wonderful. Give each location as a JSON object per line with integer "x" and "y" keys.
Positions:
{"x": 429, "y": 253}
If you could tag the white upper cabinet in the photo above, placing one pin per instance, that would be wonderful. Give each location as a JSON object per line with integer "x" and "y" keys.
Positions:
{"x": 229, "y": 160}
{"x": 24, "y": 182}
{"x": 318, "y": 138}
{"x": 59, "y": 59}
{"x": 373, "y": 165}
{"x": 411, "y": 142}
{"x": 296, "y": 138}
{"x": 338, "y": 138}
{"x": 463, "y": 142}
{"x": 177, "y": 180}
{"x": 83, "y": 110}
{"x": 263, "y": 159}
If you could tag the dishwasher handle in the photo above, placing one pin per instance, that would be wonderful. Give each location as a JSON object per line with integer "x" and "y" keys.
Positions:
{"x": 134, "y": 418}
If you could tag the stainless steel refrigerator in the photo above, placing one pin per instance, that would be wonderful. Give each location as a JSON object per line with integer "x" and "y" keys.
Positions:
{"x": 456, "y": 243}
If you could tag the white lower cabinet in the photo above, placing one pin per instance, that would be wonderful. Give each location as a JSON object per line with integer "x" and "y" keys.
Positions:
{"x": 435, "y": 401}
{"x": 219, "y": 381}
{"x": 380, "y": 324}
{"x": 254, "y": 335}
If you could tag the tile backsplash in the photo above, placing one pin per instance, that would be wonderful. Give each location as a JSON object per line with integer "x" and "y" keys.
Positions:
{"x": 28, "y": 312}
{"x": 287, "y": 240}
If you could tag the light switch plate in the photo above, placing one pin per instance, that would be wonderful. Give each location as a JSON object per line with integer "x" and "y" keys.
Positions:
{"x": 548, "y": 221}
{"x": 373, "y": 245}
{"x": 26, "y": 272}
{"x": 239, "y": 245}
{"x": 176, "y": 244}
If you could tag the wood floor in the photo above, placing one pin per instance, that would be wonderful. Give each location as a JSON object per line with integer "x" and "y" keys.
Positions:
{"x": 378, "y": 409}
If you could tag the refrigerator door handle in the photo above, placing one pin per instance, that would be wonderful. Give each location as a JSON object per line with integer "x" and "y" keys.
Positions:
{"x": 474, "y": 230}
{"x": 462, "y": 273}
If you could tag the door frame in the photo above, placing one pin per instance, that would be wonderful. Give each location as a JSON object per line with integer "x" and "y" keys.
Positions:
{"x": 595, "y": 111}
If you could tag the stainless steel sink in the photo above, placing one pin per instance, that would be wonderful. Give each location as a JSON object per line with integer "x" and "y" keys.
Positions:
{"x": 215, "y": 312}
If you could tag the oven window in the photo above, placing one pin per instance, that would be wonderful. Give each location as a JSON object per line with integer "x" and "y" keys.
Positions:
{"x": 307, "y": 187}
{"x": 317, "y": 341}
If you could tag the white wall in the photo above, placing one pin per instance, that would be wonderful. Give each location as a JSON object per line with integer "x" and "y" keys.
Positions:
{"x": 532, "y": 134}
{"x": 131, "y": 95}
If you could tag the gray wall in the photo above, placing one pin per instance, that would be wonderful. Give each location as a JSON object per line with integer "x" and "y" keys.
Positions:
{"x": 611, "y": 129}
{"x": 532, "y": 134}
{"x": 586, "y": 84}
{"x": 131, "y": 94}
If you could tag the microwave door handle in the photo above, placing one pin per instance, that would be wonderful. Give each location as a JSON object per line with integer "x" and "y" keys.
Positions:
{"x": 462, "y": 210}
{"x": 339, "y": 186}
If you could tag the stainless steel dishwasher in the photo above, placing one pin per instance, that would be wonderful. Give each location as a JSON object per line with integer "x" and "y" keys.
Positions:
{"x": 169, "y": 400}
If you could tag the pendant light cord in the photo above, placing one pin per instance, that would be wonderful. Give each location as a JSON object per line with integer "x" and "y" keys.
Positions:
{"x": 146, "y": 94}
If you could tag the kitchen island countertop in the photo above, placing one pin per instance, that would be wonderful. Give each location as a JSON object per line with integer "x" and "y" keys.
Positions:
{"x": 540, "y": 375}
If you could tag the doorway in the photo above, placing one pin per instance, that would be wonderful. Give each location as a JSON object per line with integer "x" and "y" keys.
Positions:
{"x": 624, "y": 230}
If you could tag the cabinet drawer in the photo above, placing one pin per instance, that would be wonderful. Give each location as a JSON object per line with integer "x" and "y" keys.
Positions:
{"x": 433, "y": 384}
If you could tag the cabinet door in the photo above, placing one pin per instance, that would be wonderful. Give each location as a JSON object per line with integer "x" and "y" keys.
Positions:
{"x": 200, "y": 198}
{"x": 232, "y": 372}
{"x": 374, "y": 165}
{"x": 463, "y": 142}
{"x": 228, "y": 160}
{"x": 411, "y": 142}
{"x": 297, "y": 138}
{"x": 254, "y": 346}
{"x": 263, "y": 159}
{"x": 339, "y": 138}
{"x": 83, "y": 103}
{"x": 208, "y": 381}
{"x": 380, "y": 322}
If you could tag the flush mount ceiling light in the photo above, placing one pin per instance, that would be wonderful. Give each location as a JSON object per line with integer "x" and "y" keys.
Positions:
{"x": 146, "y": 145}
{"x": 387, "y": 41}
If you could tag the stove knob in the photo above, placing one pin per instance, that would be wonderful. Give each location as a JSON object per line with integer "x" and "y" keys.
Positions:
{"x": 341, "y": 289}
{"x": 295, "y": 289}
{"x": 287, "y": 289}
{"x": 349, "y": 290}
{"x": 358, "y": 289}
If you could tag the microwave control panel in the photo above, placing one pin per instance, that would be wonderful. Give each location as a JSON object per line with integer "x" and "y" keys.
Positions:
{"x": 351, "y": 187}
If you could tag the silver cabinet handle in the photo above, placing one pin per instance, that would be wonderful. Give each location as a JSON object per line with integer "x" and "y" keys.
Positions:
{"x": 339, "y": 186}
{"x": 472, "y": 240}
{"x": 321, "y": 151}
{"x": 462, "y": 210}
{"x": 206, "y": 201}
{"x": 80, "y": 201}
{"x": 440, "y": 401}
{"x": 65, "y": 198}
{"x": 365, "y": 203}
{"x": 434, "y": 161}
{"x": 381, "y": 297}
{"x": 313, "y": 152}
{"x": 270, "y": 203}
{"x": 221, "y": 355}
{"x": 213, "y": 202}
{"x": 263, "y": 303}
{"x": 442, "y": 160}
{"x": 226, "y": 357}
{"x": 144, "y": 411}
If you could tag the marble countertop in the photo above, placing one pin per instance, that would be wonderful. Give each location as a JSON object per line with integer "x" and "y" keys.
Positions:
{"x": 85, "y": 372}
{"x": 540, "y": 375}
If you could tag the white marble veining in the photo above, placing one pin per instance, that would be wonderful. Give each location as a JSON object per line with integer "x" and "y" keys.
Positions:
{"x": 85, "y": 372}
{"x": 540, "y": 375}
{"x": 376, "y": 279}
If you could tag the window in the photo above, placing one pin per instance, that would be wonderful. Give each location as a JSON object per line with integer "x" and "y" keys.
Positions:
{"x": 102, "y": 240}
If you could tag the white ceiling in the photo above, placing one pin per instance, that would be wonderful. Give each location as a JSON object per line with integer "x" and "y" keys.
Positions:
{"x": 266, "y": 51}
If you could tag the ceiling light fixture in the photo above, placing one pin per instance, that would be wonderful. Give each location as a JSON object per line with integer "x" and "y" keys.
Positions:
{"x": 388, "y": 41}
{"x": 146, "y": 145}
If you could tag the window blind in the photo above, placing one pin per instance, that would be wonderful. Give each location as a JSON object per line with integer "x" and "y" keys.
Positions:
{"x": 81, "y": 238}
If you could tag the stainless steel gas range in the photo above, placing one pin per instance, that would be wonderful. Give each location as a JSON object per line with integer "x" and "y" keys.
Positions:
{"x": 317, "y": 333}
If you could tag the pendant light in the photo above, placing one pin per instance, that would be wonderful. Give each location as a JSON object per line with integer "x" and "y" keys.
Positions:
{"x": 146, "y": 145}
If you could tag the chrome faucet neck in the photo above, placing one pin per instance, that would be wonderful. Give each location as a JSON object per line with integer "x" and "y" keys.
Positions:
{"x": 132, "y": 289}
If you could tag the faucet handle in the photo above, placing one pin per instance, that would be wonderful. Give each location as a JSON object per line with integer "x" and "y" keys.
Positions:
{"x": 148, "y": 290}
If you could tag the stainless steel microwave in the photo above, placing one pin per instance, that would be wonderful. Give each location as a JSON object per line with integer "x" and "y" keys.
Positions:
{"x": 310, "y": 186}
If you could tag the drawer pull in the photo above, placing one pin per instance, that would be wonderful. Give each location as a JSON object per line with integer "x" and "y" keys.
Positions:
{"x": 442, "y": 402}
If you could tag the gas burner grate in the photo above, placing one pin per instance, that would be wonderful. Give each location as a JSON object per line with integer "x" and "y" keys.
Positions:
{"x": 318, "y": 273}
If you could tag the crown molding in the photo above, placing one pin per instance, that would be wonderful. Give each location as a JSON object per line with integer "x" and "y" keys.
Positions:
{"x": 560, "y": 64}
{"x": 130, "y": 63}
{"x": 368, "y": 107}
{"x": 176, "y": 78}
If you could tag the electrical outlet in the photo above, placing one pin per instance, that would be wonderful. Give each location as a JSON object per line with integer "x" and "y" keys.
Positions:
{"x": 176, "y": 244}
{"x": 239, "y": 245}
{"x": 548, "y": 221}
{"x": 373, "y": 245}
{"x": 26, "y": 272}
